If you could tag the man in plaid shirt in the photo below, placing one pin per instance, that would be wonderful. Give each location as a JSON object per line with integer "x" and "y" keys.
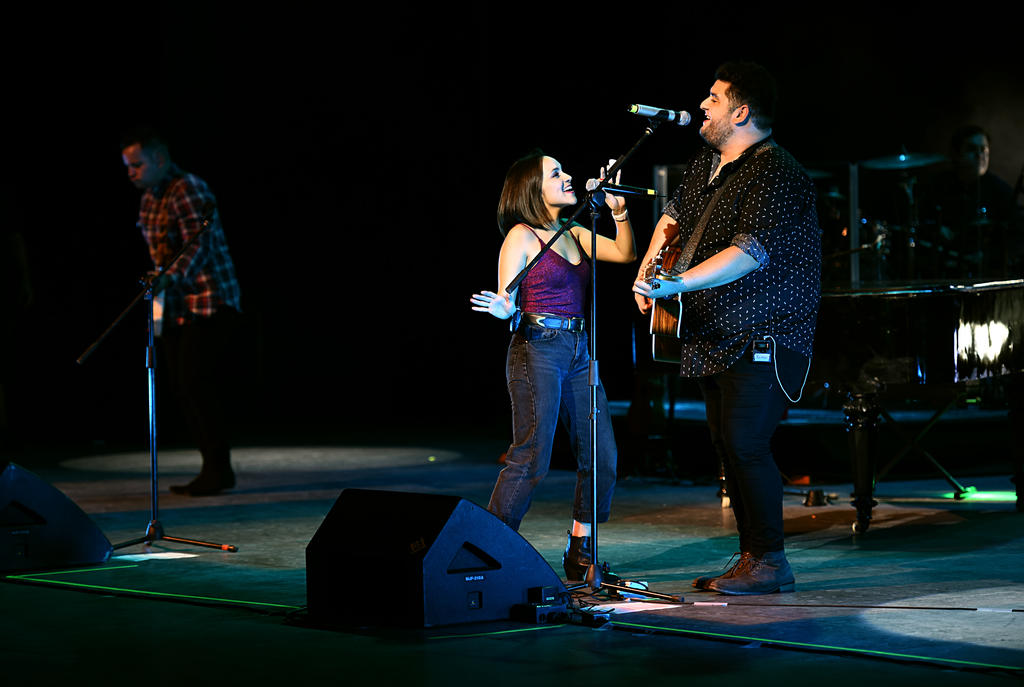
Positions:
{"x": 198, "y": 293}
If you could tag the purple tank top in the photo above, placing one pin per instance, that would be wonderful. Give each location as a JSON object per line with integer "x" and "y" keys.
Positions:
{"x": 555, "y": 285}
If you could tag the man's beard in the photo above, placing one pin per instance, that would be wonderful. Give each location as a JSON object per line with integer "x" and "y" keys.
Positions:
{"x": 716, "y": 134}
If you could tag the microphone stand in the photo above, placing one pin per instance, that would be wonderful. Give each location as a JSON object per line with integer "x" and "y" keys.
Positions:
{"x": 154, "y": 530}
{"x": 594, "y": 577}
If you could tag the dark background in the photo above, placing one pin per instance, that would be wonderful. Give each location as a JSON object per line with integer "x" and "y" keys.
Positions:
{"x": 358, "y": 161}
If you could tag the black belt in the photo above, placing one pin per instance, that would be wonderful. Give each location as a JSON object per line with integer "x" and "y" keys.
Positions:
{"x": 572, "y": 324}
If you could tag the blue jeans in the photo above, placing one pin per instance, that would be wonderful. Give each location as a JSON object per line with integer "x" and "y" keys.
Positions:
{"x": 744, "y": 406}
{"x": 547, "y": 372}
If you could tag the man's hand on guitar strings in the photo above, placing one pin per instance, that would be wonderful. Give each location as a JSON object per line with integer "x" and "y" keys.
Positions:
{"x": 642, "y": 297}
{"x": 657, "y": 288}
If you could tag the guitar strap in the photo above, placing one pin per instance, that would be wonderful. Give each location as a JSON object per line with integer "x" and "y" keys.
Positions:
{"x": 686, "y": 256}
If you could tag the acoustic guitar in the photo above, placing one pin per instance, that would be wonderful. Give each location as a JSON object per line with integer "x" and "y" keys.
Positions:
{"x": 666, "y": 313}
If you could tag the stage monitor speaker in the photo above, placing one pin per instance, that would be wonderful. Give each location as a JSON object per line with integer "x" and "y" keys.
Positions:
{"x": 41, "y": 528}
{"x": 384, "y": 558}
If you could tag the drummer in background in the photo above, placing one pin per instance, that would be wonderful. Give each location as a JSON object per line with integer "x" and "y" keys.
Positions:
{"x": 980, "y": 226}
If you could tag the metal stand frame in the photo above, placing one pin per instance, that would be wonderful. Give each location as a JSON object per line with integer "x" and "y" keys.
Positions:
{"x": 155, "y": 530}
{"x": 862, "y": 411}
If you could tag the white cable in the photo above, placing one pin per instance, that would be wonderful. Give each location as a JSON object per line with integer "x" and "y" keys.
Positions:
{"x": 775, "y": 364}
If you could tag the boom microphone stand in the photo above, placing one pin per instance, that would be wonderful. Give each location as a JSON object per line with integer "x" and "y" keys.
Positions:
{"x": 154, "y": 530}
{"x": 594, "y": 577}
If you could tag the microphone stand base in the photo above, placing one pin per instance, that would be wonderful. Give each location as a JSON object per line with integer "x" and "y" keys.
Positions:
{"x": 599, "y": 580}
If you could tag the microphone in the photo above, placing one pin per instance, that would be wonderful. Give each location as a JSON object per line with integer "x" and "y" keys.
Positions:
{"x": 680, "y": 118}
{"x": 620, "y": 190}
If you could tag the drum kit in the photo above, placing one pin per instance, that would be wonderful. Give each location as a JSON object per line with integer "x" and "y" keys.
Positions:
{"x": 887, "y": 243}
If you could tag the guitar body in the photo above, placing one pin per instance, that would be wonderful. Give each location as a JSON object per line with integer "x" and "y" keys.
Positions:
{"x": 666, "y": 313}
{"x": 666, "y": 346}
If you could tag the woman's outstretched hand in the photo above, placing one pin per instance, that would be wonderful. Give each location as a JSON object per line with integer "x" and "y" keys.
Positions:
{"x": 499, "y": 305}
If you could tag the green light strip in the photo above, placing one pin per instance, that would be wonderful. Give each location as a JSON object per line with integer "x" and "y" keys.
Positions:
{"x": 29, "y": 576}
{"x": 499, "y": 632}
{"x": 805, "y": 645}
{"x": 998, "y": 496}
{"x": 96, "y": 587}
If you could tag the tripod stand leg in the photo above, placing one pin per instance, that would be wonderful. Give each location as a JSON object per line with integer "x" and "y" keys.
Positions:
{"x": 132, "y": 542}
{"x": 643, "y": 592}
{"x": 596, "y": 583}
{"x": 196, "y": 542}
{"x": 915, "y": 445}
{"x": 155, "y": 532}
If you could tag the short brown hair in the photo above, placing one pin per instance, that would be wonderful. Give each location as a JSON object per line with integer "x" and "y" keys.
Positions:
{"x": 752, "y": 85}
{"x": 146, "y": 136}
{"x": 522, "y": 199}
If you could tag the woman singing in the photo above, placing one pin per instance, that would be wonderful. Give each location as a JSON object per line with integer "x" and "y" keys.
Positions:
{"x": 548, "y": 359}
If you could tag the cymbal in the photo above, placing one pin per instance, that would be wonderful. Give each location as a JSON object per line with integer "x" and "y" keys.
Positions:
{"x": 903, "y": 161}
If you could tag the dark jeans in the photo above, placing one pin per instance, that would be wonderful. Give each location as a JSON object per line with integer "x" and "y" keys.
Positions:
{"x": 197, "y": 356}
{"x": 744, "y": 406}
{"x": 548, "y": 379}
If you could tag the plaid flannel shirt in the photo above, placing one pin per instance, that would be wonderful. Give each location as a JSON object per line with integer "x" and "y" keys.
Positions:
{"x": 203, "y": 278}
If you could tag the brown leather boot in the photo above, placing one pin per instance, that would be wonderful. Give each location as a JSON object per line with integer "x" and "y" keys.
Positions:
{"x": 767, "y": 574}
{"x": 703, "y": 581}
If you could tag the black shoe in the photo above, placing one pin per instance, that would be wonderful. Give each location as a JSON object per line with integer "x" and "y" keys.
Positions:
{"x": 768, "y": 574}
{"x": 576, "y": 558}
{"x": 576, "y": 561}
{"x": 207, "y": 483}
{"x": 704, "y": 581}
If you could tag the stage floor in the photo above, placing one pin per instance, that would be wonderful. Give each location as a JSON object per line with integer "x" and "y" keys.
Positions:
{"x": 933, "y": 592}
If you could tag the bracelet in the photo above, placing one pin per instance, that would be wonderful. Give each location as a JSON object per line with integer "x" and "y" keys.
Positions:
{"x": 622, "y": 217}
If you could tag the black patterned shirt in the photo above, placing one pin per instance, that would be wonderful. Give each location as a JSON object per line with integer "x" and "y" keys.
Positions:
{"x": 203, "y": 278}
{"x": 769, "y": 212}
